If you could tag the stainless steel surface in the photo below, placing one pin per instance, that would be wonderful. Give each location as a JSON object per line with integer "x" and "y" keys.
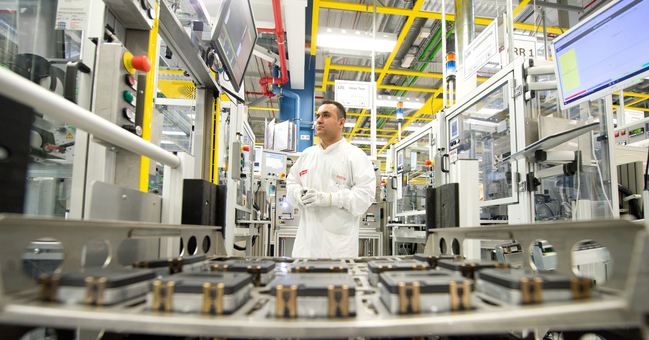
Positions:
{"x": 551, "y": 125}
{"x": 174, "y": 35}
{"x": 130, "y": 13}
{"x": 617, "y": 304}
{"x": 52, "y": 105}
{"x": 625, "y": 241}
{"x": 552, "y": 141}
{"x": 18, "y": 232}
{"x": 113, "y": 202}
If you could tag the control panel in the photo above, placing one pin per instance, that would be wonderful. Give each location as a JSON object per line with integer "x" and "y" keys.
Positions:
{"x": 273, "y": 165}
{"x": 372, "y": 217}
{"x": 286, "y": 214}
{"x": 454, "y": 133}
{"x": 632, "y": 133}
{"x": 238, "y": 154}
{"x": 117, "y": 87}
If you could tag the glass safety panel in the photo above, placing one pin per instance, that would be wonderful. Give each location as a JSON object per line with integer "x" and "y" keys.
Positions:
{"x": 413, "y": 174}
{"x": 34, "y": 46}
{"x": 482, "y": 131}
{"x": 177, "y": 119}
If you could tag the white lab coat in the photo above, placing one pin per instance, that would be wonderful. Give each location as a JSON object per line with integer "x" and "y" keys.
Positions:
{"x": 347, "y": 173}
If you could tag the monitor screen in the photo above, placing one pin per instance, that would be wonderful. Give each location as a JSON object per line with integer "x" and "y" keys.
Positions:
{"x": 274, "y": 161}
{"x": 604, "y": 54}
{"x": 234, "y": 39}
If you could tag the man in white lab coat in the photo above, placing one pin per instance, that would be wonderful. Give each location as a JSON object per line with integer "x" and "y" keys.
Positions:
{"x": 333, "y": 184}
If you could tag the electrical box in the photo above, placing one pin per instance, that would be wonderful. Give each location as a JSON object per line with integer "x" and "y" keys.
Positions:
{"x": 238, "y": 160}
{"x": 117, "y": 88}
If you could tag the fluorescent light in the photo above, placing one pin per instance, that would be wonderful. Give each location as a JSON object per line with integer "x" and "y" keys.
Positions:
{"x": 488, "y": 111}
{"x": 366, "y": 141}
{"x": 341, "y": 39}
{"x": 177, "y": 133}
{"x": 166, "y": 142}
{"x": 480, "y": 122}
{"x": 350, "y": 124}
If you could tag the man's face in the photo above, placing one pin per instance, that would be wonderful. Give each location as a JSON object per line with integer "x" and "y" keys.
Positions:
{"x": 327, "y": 124}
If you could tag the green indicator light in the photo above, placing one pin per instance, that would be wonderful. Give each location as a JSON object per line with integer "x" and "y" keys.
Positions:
{"x": 128, "y": 96}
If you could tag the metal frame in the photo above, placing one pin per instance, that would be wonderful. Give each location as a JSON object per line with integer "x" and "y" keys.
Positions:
{"x": 620, "y": 303}
{"x": 508, "y": 75}
{"x": 404, "y": 143}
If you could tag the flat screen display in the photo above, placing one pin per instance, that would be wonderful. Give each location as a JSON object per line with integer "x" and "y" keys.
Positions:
{"x": 604, "y": 54}
{"x": 274, "y": 161}
{"x": 234, "y": 39}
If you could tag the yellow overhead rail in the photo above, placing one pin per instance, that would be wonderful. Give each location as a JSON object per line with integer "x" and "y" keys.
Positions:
{"x": 411, "y": 13}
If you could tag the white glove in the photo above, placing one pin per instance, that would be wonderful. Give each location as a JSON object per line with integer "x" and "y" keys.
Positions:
{"x": 314, "y": 198}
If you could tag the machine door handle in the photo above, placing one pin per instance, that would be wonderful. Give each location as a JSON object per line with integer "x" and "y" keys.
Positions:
{"x": 70, "y": 86}
{"x": 445, "y": 170}
{"x": 393, "y": 183}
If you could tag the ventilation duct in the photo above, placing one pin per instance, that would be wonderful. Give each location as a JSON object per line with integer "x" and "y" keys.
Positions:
{"x": 464, "y": 27}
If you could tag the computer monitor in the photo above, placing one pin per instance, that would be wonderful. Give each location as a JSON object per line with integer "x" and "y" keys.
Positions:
{"x": 273, "y": 165}
{"x": 233, "y": 38}
{"x": 604, "y": 54}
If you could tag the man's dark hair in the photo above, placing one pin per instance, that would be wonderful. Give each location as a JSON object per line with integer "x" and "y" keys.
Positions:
{"x": 341, "y": 109}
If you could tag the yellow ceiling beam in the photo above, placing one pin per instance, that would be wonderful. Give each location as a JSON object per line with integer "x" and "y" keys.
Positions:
{"x": 358, "y": 121}
{"x": 379, "y": 130}
{"x": 635, "y": 102}
{"x": 364, "y": 134}
{"x": 520, "y": 6}
{"x": 632, "y": 108}
{"x": 633, "y": 94}
{"x": 402, "y": 36}
{"x": 437, "y": 105}
{"x": 314, "y": 26}
{"x": 422, "y": 14}
{"x": 405, "y": 88}
{"x": 263, "y": 108}
{"x": 325, "y": 78}
{"x": 399, "y": 72}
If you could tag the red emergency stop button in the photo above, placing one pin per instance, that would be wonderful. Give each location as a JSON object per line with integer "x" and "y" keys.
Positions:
{"x": 140, "y": 63}
{"x": 382, "y": 181}
{"x": 282, "y": 175}
{"x": 427, "y": 162}
{"x": 623, "y": 133}
{"x": 245, "y": 148}
{"x": 617, "y": 135}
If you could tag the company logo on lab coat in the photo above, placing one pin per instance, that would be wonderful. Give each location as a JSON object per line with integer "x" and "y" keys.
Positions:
{"x": 303, "y": 172}
{"x": 341, "y": 177}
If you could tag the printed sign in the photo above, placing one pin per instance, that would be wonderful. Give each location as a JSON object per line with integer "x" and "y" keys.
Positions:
{"x": 71, "y": 14}
{"x": 480, "y": 50}
{"x": 357, "y": 94}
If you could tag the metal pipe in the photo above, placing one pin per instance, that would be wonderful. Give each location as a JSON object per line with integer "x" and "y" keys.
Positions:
{"x": 540, "y": 70}
{"x": 464, "y": 28}
{"x": 542, "y": 86}
{"x": 373, "y": 77}
{"x": 621, "y": 119}
{"x": 24, "y": 91}
{"x": 510, "y": 30}
{"x": 545, "y": 36}
{"x": 443, "y": 53}
{"x": 279, "y": 32}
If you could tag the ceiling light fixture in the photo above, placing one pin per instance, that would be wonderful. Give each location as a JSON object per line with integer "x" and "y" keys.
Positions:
{"x": 336, "y": 38}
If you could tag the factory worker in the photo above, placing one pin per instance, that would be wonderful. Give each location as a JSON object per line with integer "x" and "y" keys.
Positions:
{"x": 333, "y": 184}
